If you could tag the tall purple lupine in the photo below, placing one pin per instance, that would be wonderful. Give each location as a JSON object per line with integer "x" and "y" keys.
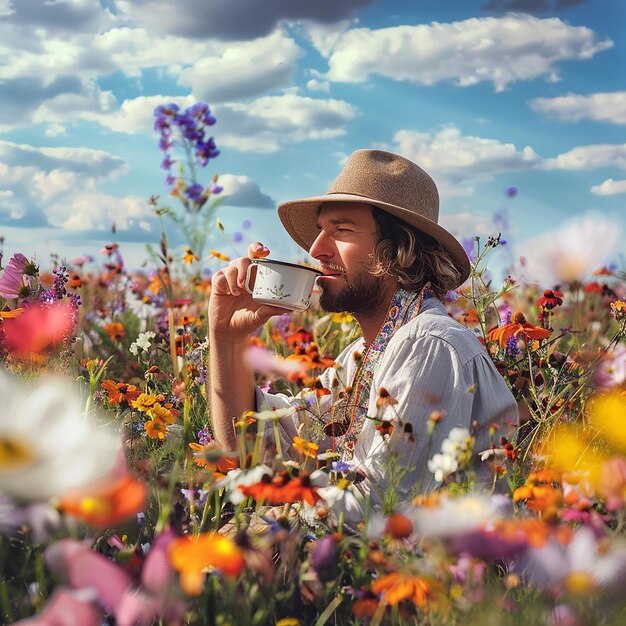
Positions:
{"x": 187, "y": 145}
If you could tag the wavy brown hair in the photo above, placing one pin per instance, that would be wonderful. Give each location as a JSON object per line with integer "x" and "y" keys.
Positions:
{"x": 412, "y": 256}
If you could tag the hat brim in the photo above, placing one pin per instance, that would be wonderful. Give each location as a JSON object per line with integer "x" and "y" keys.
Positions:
{"x": 299, "y": 217}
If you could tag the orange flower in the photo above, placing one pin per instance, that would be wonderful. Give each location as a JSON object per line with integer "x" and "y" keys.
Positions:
{"x": 115, "y": 330}
{"x": 191, "y": 555}
{"x": 396, "y": 587}
{"x": 301, "y": 490}
{"x": 120, "y": 393}
{"x": 306, "y": 448}
{"x": 7, "y": 315}
{"x": 107, "y": 502}
{"x": 365, "y": 606}
{"x": 213, "y": 458}
{"x": 185, "y": 320}
{"x": 299, "y": 337}
{"x": 518, "y": 327}
{"x": 542, "y": 491}
{"x": 281, "y": 489}
{"x": 398, "y": 526}
{"x": 469, "y": 318}
{"x": 156, "y": 429}
{"x": 74, "y": 282}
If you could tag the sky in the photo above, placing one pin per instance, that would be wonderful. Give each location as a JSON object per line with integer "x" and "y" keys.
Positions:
{"x": 486, "y": 95}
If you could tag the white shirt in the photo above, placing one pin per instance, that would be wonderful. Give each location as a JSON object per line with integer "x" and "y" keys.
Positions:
{"x": 432, "y": 363}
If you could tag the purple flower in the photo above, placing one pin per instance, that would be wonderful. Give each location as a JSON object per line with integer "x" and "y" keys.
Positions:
{"x": 237, "y": 237}
{"x": 194, "y": 192}
{"x": 204, "y": 436}
{"x": 14, "y": 281}
{"x": 246, "y": 224}
{"x": 215, "y": 188}
{"x": 324, "y": 558}
{"x": 340, "y": 466}
{"x": 167, "y": 163}
{"x": 512, "y": 191}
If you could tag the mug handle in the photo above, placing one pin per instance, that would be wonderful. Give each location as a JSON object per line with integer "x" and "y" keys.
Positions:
{"x": 248, "y": 276}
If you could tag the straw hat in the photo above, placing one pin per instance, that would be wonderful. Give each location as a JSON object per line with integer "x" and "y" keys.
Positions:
{"x": 388, "y": 181}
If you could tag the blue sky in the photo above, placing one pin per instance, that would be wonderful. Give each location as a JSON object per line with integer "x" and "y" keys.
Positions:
{"x": 484, "y": 94}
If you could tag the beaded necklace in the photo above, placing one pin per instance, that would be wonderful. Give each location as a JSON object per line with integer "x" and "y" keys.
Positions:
{"x": 348, "y": 416}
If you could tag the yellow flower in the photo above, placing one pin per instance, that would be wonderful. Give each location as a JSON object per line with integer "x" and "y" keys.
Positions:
{"x": 307, "y": 448}
{"x": 608, "y": 417}
{"x": 189, "y": 256}
{"x": 156, "y": 429}
{"x": 190, "y": 556}
{"x": 144, "y": 402}
{"x": 158, "y": 412}
{"x": 219, "y": 255}
{"x": 342, "y": 318}
{"x": 572, "y": 450}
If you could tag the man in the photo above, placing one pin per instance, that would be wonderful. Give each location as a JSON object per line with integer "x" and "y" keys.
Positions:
{"x": 386, "y": 260}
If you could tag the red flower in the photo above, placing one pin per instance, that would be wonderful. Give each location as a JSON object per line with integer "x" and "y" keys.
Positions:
{"x": 38, "y": 327}
{"x": 550, "y": 299}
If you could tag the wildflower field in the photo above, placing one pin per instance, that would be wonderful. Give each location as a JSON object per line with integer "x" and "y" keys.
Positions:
{"x": 118, "y": 507}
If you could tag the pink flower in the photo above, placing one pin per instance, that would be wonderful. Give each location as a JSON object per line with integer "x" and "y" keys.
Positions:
{"x": 611, "y": 370}
{"x": 113, "y": 588}
{"x": 68, "y": 608}
{"x": 13, "y": 279}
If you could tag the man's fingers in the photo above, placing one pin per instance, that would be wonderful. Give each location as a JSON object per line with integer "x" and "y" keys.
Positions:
{"x": 225, "y": 281}
{"x": 257, "y": 250}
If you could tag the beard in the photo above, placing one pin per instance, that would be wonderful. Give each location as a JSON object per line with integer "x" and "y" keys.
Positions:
{"x": 362, "y": 294}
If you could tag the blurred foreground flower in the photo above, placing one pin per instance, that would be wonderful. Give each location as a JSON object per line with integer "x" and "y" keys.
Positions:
{"x": 47, "y": 445}
{"x": 572, "y": 253}
{"x": 584, "y": 565}
{"x": 191, "y": 556}
{"x": 39, "y": 327}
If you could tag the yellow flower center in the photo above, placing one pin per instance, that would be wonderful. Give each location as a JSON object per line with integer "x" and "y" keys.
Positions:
{"x": 14, "y": 454}
{"x": 579, "y": 582}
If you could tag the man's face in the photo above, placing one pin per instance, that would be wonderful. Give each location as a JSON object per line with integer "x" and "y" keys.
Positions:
{"x": 348, "y": 235}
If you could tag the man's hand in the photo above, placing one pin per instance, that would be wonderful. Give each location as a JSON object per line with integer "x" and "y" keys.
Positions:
{"x": 233, "y": 314}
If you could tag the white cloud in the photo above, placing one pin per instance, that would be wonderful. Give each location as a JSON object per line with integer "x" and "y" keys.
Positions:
{"x": 467, "y": 224}
{"x": 242, "y": 191}
{"x": 243, "y": 70}
{"x": 609, "y": 187}
{"x": 96, "y": 211}
{"x": 270, "y": 122}
{"x": 262, "y": 125}
{"x": 54, "y": 130}
{"x": 136, "y": 115}
{"x": 318, "y": 85}
{"x": 602, "y": 107}
{"x": 500, "y": 50}
{"x": 325, "y": 37}
{"x": 454, "y": 160}
{"x": 37, "y": 179}
{"x": 589, "y": 158}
